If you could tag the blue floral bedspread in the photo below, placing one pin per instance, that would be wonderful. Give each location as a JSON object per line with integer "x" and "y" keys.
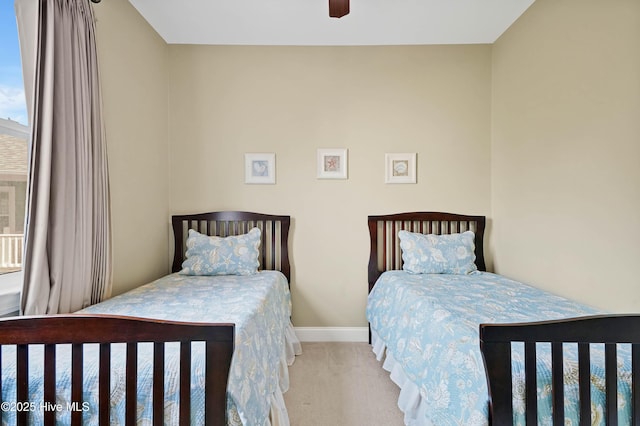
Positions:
{"x": 260, "y": 307}
{"x": 429, "y": 323}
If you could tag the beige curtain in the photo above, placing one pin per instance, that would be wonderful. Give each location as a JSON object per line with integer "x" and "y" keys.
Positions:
{"x": 67, "y": 259}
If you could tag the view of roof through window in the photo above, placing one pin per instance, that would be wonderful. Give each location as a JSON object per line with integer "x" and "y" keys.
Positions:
{"x": 14, "y": 134}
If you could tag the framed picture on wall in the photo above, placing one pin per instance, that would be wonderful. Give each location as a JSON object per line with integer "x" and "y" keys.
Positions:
{"x": 400, "y": 168}
{"x": 260, "y": 168}
{"x": 332, "y": 163}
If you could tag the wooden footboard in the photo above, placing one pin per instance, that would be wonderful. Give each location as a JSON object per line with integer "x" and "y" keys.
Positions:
{"x": 495, "y": 343}
{"x": 78, "y": 330}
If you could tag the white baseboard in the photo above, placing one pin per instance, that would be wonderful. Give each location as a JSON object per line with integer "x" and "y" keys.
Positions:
{"x": 332, "y": 334}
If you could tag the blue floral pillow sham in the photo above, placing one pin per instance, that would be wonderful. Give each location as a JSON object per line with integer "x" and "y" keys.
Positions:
{"x": 438, "y": 254}
{"x": 233, "y": 255}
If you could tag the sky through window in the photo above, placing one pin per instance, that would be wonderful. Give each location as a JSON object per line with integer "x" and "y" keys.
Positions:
{"x": 12, "y": 98}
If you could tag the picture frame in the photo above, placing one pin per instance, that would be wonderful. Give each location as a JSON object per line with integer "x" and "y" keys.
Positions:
{"x": 332, "y": 163}
{"x": 260, "y": 168}
{"x": 400, "y": 168}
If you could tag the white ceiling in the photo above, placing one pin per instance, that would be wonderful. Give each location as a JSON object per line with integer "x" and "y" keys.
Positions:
{"x": 307, "y": 22}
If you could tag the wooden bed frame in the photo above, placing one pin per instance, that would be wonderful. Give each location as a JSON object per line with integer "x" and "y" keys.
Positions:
{"x": 80, "y": 329}
{"x": 106, "y": 330}
{"x": 274, "y": 244}
{"x": 495, "y": 339}
{"x": 495, "y": 343}
{"x": 385, "y": 254}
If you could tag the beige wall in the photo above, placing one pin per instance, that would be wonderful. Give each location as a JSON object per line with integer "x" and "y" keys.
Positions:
{"x": 566, "y": 150}
{"x": 227, "y": 101}
{"x": 539, "y": 132}
{"x": 133, "y": 66}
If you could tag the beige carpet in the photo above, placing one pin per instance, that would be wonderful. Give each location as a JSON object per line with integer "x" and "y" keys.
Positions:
{"x": 341, "y": 384}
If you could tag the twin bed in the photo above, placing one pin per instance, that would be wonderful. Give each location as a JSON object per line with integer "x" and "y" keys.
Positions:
{"x": 225, "y": 313}
{"x": 441, "y": 323}
{"x": 230, "y": 338}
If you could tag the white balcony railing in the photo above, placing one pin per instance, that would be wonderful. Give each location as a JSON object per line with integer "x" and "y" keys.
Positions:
{"x": 11, "y": 250}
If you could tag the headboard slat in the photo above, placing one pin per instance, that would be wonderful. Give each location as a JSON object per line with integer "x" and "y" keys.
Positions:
{"x": 273, "y": 245}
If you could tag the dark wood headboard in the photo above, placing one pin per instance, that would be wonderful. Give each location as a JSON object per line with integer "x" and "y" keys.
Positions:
{"x": 274, "y": 245}
{"x": 385, "y": 252}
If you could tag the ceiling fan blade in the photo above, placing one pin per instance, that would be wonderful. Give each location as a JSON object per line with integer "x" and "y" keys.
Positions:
{"x": 338, "y": 8}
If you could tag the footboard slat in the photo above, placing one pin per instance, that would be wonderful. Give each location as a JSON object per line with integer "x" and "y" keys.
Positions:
{"x": 635, "y": 384}
{"x": 215, "y": 398}
{"x": 1, "y": 416}
{"x": 531, "y": 381}
{"x": 498, "y": 365}
{"x": 49, "y": 383}
{"x": 104, "y": 381}
{"x": 22, "y": 381}
{"x": 611, "y": 383}
{"x": 557, "y": 383}
{"x": 131, "y": 384}
{"x": 584, "y": 376}
{"x": 158, "y": 384}
{"x": 185, "y": 382}
{"x": 76, "y": 383}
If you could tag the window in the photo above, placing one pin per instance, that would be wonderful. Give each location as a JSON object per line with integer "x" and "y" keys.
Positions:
{"x": 14, "y": 136}
{"x": 7, "y": 209}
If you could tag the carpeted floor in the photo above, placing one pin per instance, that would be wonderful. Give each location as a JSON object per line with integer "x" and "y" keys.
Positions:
{"x": 341, "y": 384}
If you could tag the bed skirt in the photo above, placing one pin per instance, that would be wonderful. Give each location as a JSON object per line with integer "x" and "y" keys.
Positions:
{"x": 278, "y": 415}
{"x": 410, "y": 401}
